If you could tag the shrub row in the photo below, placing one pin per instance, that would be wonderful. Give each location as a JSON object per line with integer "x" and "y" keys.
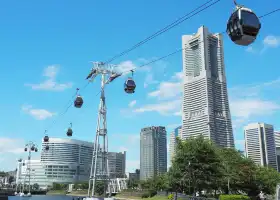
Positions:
{"x": 234, "y": 197}
{"x": 148, "y": 194}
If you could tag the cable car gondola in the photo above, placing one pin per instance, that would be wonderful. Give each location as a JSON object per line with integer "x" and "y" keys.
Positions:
{"x": 129, "y": 85}
{"x": 243, "y": 26}
{"x": 47, "y": 147}
{"x": 46, "y": 138}
{"x": 32, "y": 148}
{"x": 69, "y": 132}
{"x": 78, "y": 101}
{"x": 36, "y": 150}
{"x": 25, "y": 149}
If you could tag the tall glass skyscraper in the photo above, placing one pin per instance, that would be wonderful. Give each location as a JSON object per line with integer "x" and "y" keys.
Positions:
{"x": 277, "y": 145}
{"x": 260, "y": 144}
{"x": 172, "y": 143}
{"x": 205, "y": 98}
{"x": 153, "y": 152}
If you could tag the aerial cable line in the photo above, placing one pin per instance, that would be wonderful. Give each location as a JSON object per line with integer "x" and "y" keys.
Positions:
{"x": 168, "y": 27}
{"x": 146, "y": 64}
{"x": 67, "y": 106}
{"x": 179, "y": 50}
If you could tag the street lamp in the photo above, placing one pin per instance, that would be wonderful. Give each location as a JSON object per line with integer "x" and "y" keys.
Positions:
{"x": 30, "y": 147}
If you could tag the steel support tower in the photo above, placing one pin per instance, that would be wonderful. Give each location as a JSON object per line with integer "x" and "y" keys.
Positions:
{"x": 101, "y": 151}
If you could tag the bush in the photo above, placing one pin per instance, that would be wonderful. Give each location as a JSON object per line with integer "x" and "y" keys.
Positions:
{"x": 170, "y": 197}
{"x": 234, "y": 197}
{"x": 152, "y": 193}
{"x": 145, "y": 195}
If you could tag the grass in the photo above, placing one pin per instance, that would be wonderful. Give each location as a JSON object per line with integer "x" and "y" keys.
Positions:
{"x": 78, "y": 193}
{"x": 57, "y": 192}
{"x": 151, "y": 198}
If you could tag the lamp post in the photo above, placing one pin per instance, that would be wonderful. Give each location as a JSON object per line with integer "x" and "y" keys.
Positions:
{"x": 30, "y": 147}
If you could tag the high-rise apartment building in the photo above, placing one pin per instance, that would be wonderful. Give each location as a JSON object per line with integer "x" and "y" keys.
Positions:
{"x": 172, "y": 143}
{"x": 260, "y": 144}
{"x": 153, "y": 152}
{"x": 277, "y": 145}
{"x": 205, "y": 98}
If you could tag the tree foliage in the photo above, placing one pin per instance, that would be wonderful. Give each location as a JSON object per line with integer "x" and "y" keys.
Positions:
{"x": 200, "y": 165}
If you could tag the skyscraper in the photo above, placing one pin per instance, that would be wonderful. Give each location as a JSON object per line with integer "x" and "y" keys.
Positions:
{"x": 153, "y": 152}
{"x": 172, "y": 143}
{"x": 277, "y": 145}
{"x": 205, "y": 99}
{"x": 260, "y": 144}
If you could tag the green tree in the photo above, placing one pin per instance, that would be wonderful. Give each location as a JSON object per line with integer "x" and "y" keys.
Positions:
{"x": 161, "y": 182}
{"x": 267, "y": 179}
{"x": 35, "y": 186}
{"x": 99, "y": 187}
{"x": 11, "y": 179}
{"x": 175, "y": 179}
{"x": 198, "y": 160}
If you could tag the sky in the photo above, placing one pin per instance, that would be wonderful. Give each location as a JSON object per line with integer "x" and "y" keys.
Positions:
{"x": 46, "y": 48}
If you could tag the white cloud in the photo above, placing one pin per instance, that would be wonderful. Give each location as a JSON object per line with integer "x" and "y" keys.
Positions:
{"x": 271, "y": 41}
{"x": 125, "y": 67}
{"x": 248, "y": 102}
{"x": 122, "y": 149}
{"x": 169, "y": 89}
{"x": 50, "y": 84}
{"x": 149, "y": 80}
{"x": 245, "y": 108}
{"x": 11, "y": 145}
{"x": 132, "y": 103}
{"x": 152, "y": 70}
{"x": 51, "y": 71}
{"x": 250, "y": 49}
{"x": 39, "y": 114}
{"x": 163, "y": 108}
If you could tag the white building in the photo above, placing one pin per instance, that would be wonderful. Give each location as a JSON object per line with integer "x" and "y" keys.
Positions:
{"x": 172, "y": 143}
{"x": 205, "y": 99}
{"x": 277, "y": 145}
{"x": 67, "y": 161}
{"x": 260, "y": 144}
{"x": 37, "y": 173}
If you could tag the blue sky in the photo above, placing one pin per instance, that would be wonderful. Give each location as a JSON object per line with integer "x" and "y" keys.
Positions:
{"x": 45, "y": 51}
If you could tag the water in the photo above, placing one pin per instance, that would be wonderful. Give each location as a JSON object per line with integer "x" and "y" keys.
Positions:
{"x": 44, "y": 197}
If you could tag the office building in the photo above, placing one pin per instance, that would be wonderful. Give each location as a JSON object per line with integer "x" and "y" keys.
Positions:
{"x": 260, "y": 144}
{"x": 72, "y": 158}
{"x": 172, "y": 143}
{"x": 205, "y": 98}
{"x": 135, "y": 176}
{"x": 68, "y": 161}
{"x": 277, "y": 145}
{"x": 116, "y": 162}
{"x": 153, "y": 152}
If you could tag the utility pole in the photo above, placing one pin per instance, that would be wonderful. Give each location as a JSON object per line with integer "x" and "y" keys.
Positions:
{"x": 107, "y": 76}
